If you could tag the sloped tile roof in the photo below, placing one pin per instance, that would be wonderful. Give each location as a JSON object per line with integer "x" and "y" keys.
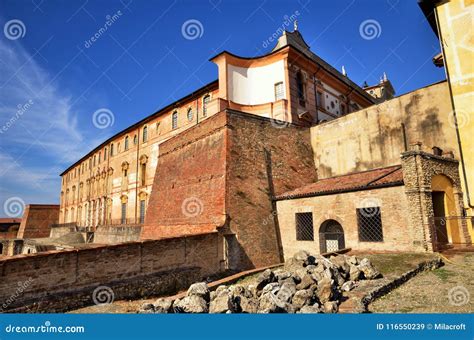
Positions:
{"x": 392, "y": 175}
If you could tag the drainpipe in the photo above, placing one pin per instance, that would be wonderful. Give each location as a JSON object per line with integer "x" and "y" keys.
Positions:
{"x": 469, "y": 203}
{"x": 136, "y": 175}
{"x": 316, "y": 94}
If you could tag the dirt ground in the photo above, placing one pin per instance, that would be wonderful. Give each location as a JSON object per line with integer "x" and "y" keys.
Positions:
{"x": 449, "y": 289}
{"x": 390, "y": 265}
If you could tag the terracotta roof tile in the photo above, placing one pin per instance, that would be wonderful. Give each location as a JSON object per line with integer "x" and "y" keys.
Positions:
{"x": 354, "y": 181}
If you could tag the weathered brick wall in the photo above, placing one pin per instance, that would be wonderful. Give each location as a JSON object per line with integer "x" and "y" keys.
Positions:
{"x": 230, "y": 166}
{"x": 189, "y": 186}
{"x": 37, "y": 220}
{"x": 131, "y": 270}
{"x": 264, "y": 159}
{"x": 398, "y": 233}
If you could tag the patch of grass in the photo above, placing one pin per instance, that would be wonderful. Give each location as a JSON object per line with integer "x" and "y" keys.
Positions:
{"x": 443, "y": 274}
{"x": 396, "y": 264}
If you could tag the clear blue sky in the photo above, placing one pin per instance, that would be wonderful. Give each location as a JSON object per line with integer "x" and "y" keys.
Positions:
{"x": 143, "y": 62}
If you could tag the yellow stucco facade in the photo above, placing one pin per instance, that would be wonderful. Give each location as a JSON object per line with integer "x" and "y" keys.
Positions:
{"x": 455, "y": 31}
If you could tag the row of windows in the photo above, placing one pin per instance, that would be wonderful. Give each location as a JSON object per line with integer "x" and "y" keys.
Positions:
{"x": 369, "y": 222}
{"x": 96, "y": 159}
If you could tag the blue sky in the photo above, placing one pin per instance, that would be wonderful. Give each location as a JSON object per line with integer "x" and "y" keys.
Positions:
{"x": 52, "y": 80}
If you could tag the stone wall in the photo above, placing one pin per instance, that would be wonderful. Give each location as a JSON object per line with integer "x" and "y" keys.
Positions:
{"x": 62, "y": 280}
{"x": 374, "y": 137}
{"x": 37, "y": 220}
{"x": 341, "y": 207}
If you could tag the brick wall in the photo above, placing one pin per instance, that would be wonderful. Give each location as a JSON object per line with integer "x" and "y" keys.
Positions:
{"x": 61, "y": 280}
{"x": 188, "y": 192}
{"x": 264, "y": 159}
{"x": 229, "y": 166}
{"x": 398, "y": 233}
{"x": 37, "y": 220}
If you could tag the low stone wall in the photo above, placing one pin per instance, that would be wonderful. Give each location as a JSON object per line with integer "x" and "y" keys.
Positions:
{"x": 58, "y": 281}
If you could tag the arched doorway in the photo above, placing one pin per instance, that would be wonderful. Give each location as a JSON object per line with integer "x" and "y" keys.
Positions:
{"x": 331, "y": 236}
{"x": 446, "y": 224}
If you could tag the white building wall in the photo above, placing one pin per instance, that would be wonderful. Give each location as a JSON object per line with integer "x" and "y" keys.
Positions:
{"x": 255, "y": 85}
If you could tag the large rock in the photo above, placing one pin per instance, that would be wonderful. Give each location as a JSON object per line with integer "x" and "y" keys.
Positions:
{"x": 246, "y": 305}
{"x": 281, "y": 274}
{"x": 325, "y": 290}
{"x": 191, "y": 304}
{"x": 330, "y": 307}
{"x": 265, "y": 278}
{"x": 221, "y": 304}
{"x": 368, "y": 269}
{"x": 286, "y": 292}
{"x": 310, "y": 310}
{"x": 163, "y": 305}
{"x": 273, "y": 287}
{"x": 302, "y": 298}
{"x": 354, "y": 273}
{"x": 199, "y": 289}
{"x": 306, "y": 282}
{"x": 147, "y": 308}
{"x": 269, "y": 303}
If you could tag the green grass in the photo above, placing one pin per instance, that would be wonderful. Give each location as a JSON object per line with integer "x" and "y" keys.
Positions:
{"x": 443, "y": 274}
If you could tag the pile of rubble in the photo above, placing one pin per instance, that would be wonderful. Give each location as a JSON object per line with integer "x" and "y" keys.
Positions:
{"x": 305, "y": 284}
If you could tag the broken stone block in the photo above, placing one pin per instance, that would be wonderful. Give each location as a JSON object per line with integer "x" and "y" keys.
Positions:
{"x": 221, "y": 304}
{"x": 286, "y": 292}
{"x": 368, "y": 269}
{"x": 269, "y": 303}
{"x": 302, "y": 298}
{"x": 348, "y": 286}
{"x": 265, "y": 278}
{"x": 330, "y": 307}
{"x": 163, "y": 305}
{"x": 310, "y": 310}
{"x": 191, "y": 304}
{"x": 199, "y": 289}
{"x": 306, "y": 282}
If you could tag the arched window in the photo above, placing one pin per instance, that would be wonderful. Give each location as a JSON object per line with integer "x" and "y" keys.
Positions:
{"x": 174, "y": 120}
{"x": 145, "y": 134}
{"x": 126, "y": 143}
{"x": 331, "y": 236}
{"x": 105, "y": 154}
{"x": 205, "y": 103}
{"x": 135, "y": 140}
{"x": 190, "y": 114}
{"x": 111, "y": 149}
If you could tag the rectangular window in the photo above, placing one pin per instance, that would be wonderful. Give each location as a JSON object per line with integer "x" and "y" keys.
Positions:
{"x": 369, "y": 221}
{"x": 279, "y": 91}
{"x": 174, "y": 120}
{"x": 320, "y": 99}
{"x": 142, "y": 211}
{"x": 304, "y": 227}
{"x": 124, "y": 213}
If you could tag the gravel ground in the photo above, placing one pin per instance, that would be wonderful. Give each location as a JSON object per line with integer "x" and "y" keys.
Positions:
{"x": 449, "y": 289}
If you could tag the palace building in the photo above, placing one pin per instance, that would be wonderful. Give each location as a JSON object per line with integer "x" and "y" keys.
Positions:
{"x": 281, "y": 152}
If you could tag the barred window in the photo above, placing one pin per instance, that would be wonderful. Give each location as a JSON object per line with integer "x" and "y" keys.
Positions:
{"x": 304, "y": 226}
{"x": 279, "y": 91}
{"x": 369, "y": 221}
